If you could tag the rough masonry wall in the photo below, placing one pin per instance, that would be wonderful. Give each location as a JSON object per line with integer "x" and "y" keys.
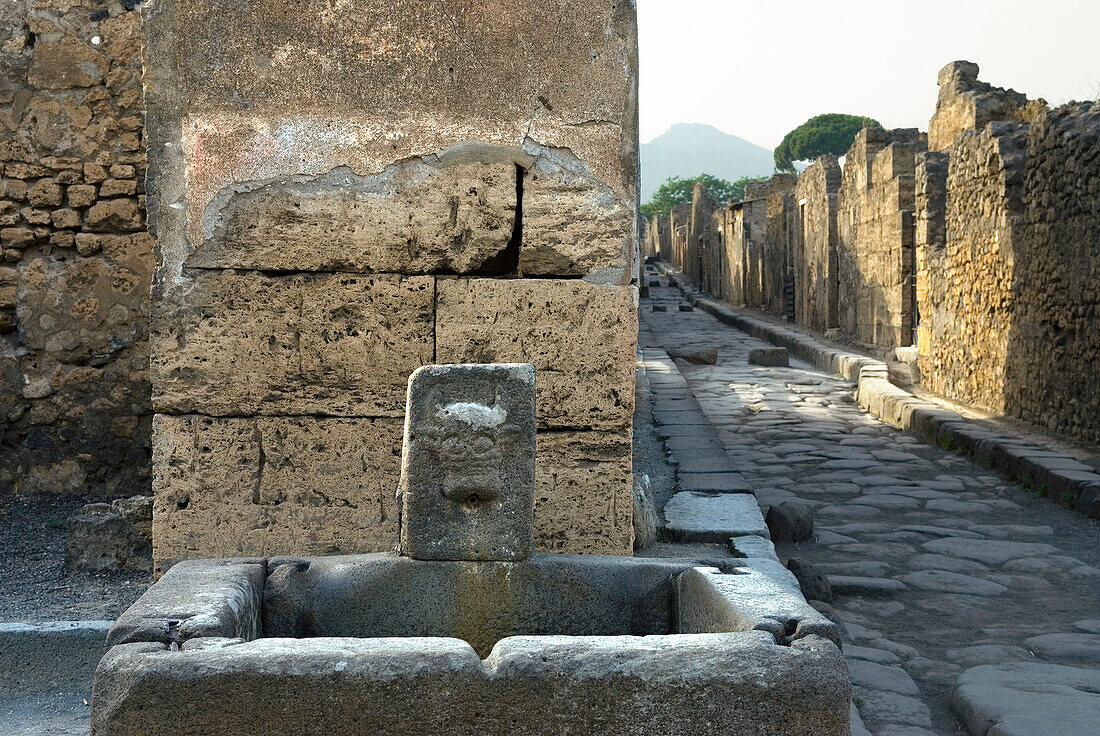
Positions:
{"x": 1053, "y": 376}
{"x": 344, "y": 193}
{"x": 816, "y": 200}
{"x": 876, "y": 238}
{"x": 966, "y": 292}
{"x": 777, "y": 264}
{"x": 74, "y": 278}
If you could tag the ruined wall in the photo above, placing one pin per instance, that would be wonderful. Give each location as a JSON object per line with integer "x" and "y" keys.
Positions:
{"x": 965, "y": 103}
{"x": 679, "y": 226}
{"x": 875, "y": 237}
{"x": 1053, "y": 376}
{"x": 966, "y": 298}
{"x": 777, "y": 255}
{"x": 816, "y": 200}
{"x": 704, "y": 260}
{"x": 658, "y": 242}
{"x": 74, "y": 280}
{"x": 344, "y": 193}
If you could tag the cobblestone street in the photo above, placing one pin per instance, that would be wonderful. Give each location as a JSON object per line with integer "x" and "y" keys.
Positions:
{"x": 934, "y": 565}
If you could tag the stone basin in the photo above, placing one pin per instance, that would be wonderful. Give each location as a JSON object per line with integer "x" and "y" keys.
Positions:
{"x": 384, "y": 644}
{"x": 464, "y": 629}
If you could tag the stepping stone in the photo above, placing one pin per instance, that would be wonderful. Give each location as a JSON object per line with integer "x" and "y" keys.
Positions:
{"x": 942, "y": 581}
{"x": 698, "y": 356}
{"x": 1028, "y": 699}
{"x": 713, "y": 482}
{"x": 687, "y": 308}
{"x": 702, "y": 461}
{"x": 988, "y": 551}
{"x": 659, "y": 308}
{"x": 1083, "y": 649}
{"x": 770, "y": 357}
{"x": 881, "y": 677}
{"x": 699, "y": 517}
{"x": 868, "y": 587}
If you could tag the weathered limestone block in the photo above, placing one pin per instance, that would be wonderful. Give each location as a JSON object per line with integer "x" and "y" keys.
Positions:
{"x": 454, "y": 211}
{"x": 329, "y": 344}
{"x": 468, "y": 463}
{"x": 230, "y": 487}
{"x": 580, "y": 337}
{"x": 573, "y": 224}
{"x": 584, "y": 493}
{"x": 273, "y": 93}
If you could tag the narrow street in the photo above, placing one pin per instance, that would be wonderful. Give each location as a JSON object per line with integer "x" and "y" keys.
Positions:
{"x": 936, "y": 565}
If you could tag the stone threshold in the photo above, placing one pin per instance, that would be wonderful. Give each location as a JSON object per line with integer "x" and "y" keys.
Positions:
{"x": 1056, "y": 475}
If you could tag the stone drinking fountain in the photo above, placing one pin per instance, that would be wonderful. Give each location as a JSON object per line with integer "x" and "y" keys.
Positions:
{"x": 465, "y": 629}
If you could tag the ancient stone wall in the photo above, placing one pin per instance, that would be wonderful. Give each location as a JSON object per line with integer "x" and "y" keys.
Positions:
{"x": 1053, "y": 376}
{"x": 966, "y": 298}
{"x": 816, "y": 200}
{"x": 658, "y": 242}
{"x": 875, "y": 238}
{"x": 679, "y": 226}
{"x": 705, "y": 262}
{"x": 777, "y": 255}
{"x": 344, "y": 193}
{"x": 74, "y": 281}
{"x": 965, "y": 103}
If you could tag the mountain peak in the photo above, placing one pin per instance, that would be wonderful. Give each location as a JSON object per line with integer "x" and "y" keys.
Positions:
{"x": 689, "y": 149}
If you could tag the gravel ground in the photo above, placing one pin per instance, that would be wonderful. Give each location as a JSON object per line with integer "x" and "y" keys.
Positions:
{"x": 34, "y": 584}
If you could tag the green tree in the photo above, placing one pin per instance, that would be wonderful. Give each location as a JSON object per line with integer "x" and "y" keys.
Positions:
{"x": 829, "y": 133}
{"x": 676, "y": 191}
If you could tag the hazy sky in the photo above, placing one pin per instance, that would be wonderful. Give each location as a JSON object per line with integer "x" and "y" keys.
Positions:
{"x": 757, "y": 69}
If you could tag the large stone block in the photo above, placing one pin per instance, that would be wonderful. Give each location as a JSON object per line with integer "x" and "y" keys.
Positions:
{"x": 580, "y": 337}
{"x": 573, "y": 224}
{"x": 468, "y": 463}
{"x": 454, "y": 211}
{"x": 331, "y": 344}
{"x": 584, "y": 493}
{"x": 273, "y": 485}
{"x": 280, "y": 95}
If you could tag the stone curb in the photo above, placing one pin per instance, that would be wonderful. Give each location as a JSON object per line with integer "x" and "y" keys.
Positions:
{"x": 1056, "y": 475}
{"x": 51, "y": 657}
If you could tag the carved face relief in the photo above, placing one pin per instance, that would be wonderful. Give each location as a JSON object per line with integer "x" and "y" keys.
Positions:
{"x": 469, "y": 440}
{"x": 467, "y": 484}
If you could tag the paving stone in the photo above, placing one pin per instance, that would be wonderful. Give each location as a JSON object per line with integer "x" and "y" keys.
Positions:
{"x": 829, "y": 538}
{"x": 886, "y": 501}
{"x": 872, "y": 587}
{"x": 878, "y": 656}
{"x": 984, "y": 654}
{"x": 1013, "y": 530}
{"x": 1082, "y": 649}
{"x": 952, "y": 582}
{"x": 883, "y": 707}
{"x": 881, "y": 677}
{"x": 1028, "y": 699}
{"x": 1088, "y": 625}
{"x": 859, "y": 568}
{"x": 698, "y": 517}
{"x": 951, "y": 564}
{"x": 940, "y": 531}
{"x": 988, "y": 551}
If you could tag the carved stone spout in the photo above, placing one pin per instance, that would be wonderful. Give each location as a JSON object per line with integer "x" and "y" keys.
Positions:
{"x": 468, "y": 463}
